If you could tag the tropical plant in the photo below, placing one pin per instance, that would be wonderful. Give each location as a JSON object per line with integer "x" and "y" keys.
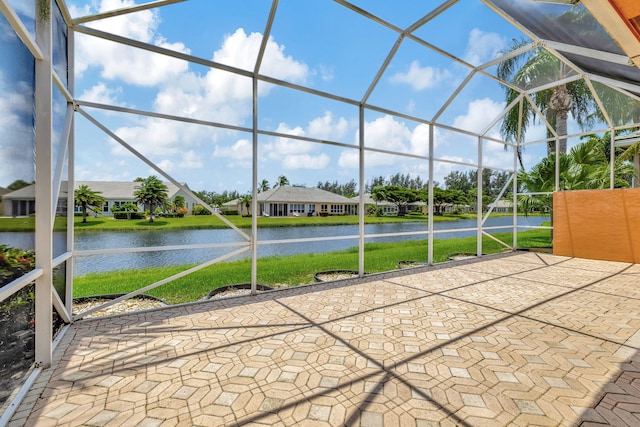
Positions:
{"x": 246, "y": 202}
{"x": 151, "y": 192}
{"x": 86, "y": 198}
{"x": 177, "y": 204}
{"x": 538, "y": 67}
{"x": 282, "y": 181}
{"x": 128, "y": 210}
{"x": 200, "y": 210}
{"x": 263, "y": 186}
{"x": 18, "y": 184}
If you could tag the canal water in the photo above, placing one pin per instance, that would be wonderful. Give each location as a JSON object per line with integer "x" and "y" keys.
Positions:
{"x": 137, "y": 260}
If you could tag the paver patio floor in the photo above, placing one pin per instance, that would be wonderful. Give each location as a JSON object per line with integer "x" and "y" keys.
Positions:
{"x": 521, "y": 339}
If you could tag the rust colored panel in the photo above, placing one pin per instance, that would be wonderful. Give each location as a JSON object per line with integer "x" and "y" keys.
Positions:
{"x": 597, "y": 224}
{"x": 628, "y": 8}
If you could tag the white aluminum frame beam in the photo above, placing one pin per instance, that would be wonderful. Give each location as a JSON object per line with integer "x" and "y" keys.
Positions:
{"x": 590, "y": 53}
{"x": 123, "y": 11}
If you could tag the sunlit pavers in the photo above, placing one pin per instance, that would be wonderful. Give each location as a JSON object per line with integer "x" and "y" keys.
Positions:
{"x": 524, "y": 339}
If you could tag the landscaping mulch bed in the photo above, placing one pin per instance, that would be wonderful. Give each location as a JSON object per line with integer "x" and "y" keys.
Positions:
{"x": 327, "y": 276}
{"x": 132, "y": 304}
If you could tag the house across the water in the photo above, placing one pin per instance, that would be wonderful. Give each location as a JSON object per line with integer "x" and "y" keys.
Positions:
{"x": 298, "y": 201}
{"x": 23, "y": 201}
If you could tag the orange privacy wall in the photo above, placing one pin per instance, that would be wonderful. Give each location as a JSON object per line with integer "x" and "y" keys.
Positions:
{"x": 597, "y": 224}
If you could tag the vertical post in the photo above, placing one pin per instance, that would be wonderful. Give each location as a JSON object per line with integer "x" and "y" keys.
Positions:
{"x": 479, "y": 204}
{"x": 557, "y": 183}
{"x": 612, "y": 161}
{"x": 361, "y": 201}
{"x": 636, "y": 170}
{"x": 71, "y": 175}
{"x": 254, "y": 192}
{"x": 430, "y": 197}
{"x": 44, "y": 194}
{"x": 516, "y": 156}
{"x": 514, "y": 202}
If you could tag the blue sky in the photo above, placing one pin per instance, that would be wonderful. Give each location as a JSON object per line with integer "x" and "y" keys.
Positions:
{"x": 321, "y": 45}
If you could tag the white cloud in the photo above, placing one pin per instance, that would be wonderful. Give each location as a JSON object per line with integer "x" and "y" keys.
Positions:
{"x": 241, "y": 150}
{"x": 191, "y": 160}
{"x": 306, "y": 161}
{"x": 388, "y": 134}
{"x": 420, "y": 78}
{"x": 166, "y": 165}
{"x": 420, "y": 140}
{"x": 103, "y": 171}
{"x": 101, "y": 94}
{"x": 299, "y": 154}
{"x": 326, "y": 73}
{"x": 241, "y": 50}
{"x": 483, "y": 46}
{"x": 116, "y": 61}
{"x": 480, "y": 113}
{"x": 326, "y": 127}
{"x": 495, "y": 155}
{"x": 216, "y": 96}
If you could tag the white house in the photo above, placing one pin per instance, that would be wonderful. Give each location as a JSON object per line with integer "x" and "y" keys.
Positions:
{"x": 299, "y": 201}
{"x": 502, "y": 205}
{"x": 22, "y": 202}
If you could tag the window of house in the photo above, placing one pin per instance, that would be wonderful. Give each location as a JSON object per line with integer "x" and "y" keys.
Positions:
{"x": 337, "y": 209}
{"x": 324, "y": 208}
{"x": 296, "y": 207}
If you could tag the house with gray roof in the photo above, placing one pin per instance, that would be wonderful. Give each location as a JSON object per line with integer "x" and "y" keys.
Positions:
{"x": 22, "y": 202}
{"x": 299, "y": 201}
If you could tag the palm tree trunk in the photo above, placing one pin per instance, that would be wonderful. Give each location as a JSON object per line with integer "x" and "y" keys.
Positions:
{"x": 561, "y": 129}
{"x": 561, "y": 102}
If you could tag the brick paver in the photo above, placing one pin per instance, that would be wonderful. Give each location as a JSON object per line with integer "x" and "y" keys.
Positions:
{"x": 519, "y": 339}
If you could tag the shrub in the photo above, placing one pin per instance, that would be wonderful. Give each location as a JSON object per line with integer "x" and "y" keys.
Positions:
{"x": 172, "y": 215}
{"x": 15, "y": 263}
{"x": 129, "y": 215}
{"x": 200, "y": 210}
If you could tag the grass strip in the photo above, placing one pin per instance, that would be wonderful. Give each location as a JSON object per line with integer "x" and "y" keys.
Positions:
{"x": 290, "y": 270}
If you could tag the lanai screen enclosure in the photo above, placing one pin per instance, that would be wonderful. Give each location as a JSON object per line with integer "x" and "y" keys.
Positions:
{"x": 224, "y": 95}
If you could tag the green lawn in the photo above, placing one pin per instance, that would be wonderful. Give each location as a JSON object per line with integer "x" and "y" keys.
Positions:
{"x": 288, "y": 271}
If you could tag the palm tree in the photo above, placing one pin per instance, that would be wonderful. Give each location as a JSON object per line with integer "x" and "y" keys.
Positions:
{"x": 246, "y": 201}
{"x": 282, "y": 181}
{"x": 538, "y": 67}
{"x": 85, "y": 197}
{"x": 263, "y": 186}
{"x": 151, "y": 192}
{"x": 178, "y": 203}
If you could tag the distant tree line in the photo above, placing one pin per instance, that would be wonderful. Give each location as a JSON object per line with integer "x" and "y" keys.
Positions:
{"x": 397, "y": 180}
{"x": 347, "y": 190}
